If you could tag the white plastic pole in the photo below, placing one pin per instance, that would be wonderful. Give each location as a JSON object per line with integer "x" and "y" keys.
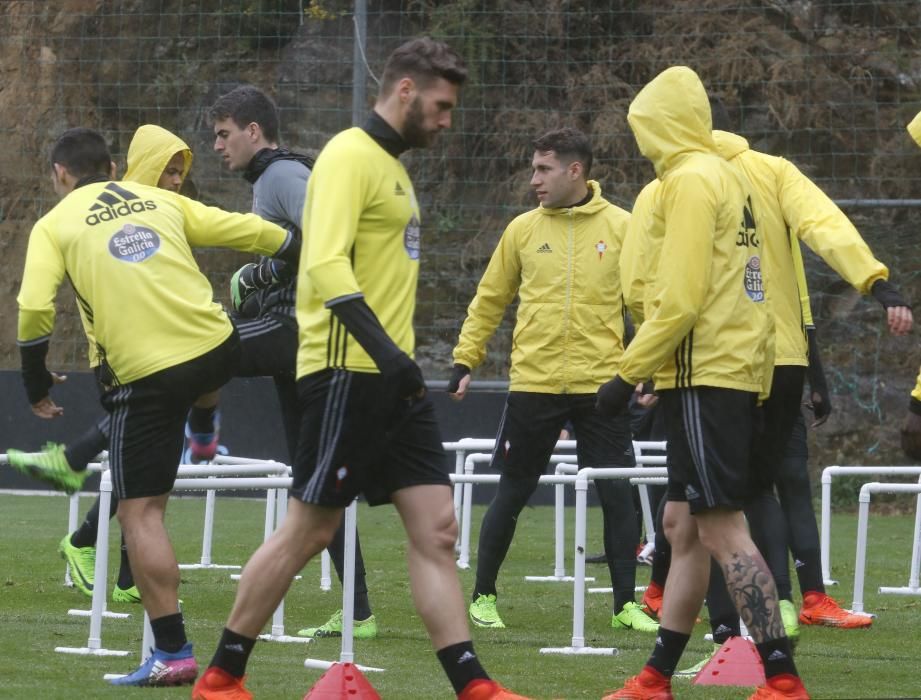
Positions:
{"x": 348, "y": 584}
{"x": 559, "y": 513}
{"x": 578, "y": 588}
{"x": 209, "y": 529}
{"x": 463, "y": 561}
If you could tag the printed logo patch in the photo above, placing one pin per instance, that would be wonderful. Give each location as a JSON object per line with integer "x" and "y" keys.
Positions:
{"x": 545, "y": 248}
{"x": 601, "y": 246}
{"x": 754, "y": 286}
{"x": 134, "y": 243}
{"x": 398, "y": 190}
{"x": 411, "y": 238}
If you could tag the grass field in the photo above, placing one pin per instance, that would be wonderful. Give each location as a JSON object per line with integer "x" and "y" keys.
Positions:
{"x": 882, "y": 662}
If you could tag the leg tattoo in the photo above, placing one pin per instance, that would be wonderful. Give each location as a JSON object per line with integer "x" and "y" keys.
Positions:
{"x": 752, "y": 589}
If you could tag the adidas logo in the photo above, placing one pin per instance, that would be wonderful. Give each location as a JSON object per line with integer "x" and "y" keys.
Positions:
{"x": 234, "y": 647}
{"x": 777, "y": 655}
{"x": 545, "y": 248}
{"x": 797, "y": 564}
{"x": 722, "y": 629}
{"x": 114, "y": 202}
{"x": 398, "y": 190}
{"x": 691, "y": 492}
{"x": 659, "y": 642}
{"x": 465, "y": 657}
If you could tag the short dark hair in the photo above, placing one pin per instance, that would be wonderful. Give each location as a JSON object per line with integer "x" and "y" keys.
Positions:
{"x": 83, "y": 152}
{"x": 246, "y": 104}
{"x": 569, "y": 145}
{"x": 424, "y": 60}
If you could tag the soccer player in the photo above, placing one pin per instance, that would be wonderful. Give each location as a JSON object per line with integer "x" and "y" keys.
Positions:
{"x": 161, "y": 340}
{"x": 157, "y": 158}
{"x": 561, "y": 259}
{"x": 367, "y": 425}
{"x": 911, "y": 427}
{"x": 707, "y": 341}
{"x": 246, "y": 126}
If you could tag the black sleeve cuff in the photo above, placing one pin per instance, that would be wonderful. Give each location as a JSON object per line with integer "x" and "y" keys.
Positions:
{"x": 361, "y": 323}
{"x": 35, "y": 376}
{"x": 290, "y": 251}
{"x": 886, "y": 294}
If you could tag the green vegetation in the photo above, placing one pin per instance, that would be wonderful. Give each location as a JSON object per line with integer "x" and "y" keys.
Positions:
{"x": 880, "y": 662}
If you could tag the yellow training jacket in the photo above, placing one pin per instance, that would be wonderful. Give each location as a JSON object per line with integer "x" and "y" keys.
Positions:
{"x": 361, "y": 238}
{"x": 150, "y": 150}
{"x": 706, "y": 322}
{"x": 563, "y": 263}
{"x": 793, "y": 208}
{"x": 914, "y": 128}
{"x": 126, "y": 250}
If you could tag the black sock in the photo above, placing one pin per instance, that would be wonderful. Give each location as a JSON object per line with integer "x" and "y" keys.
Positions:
{"x": 85, "y": 535}
{"x": 726, "y": 627}
{"x": 201, "y": 420}
{"x": 777, "y": 657}
{"x": 668, "y": 650}
{"x": 461, "y": 664}
{"x": 623, "y": 577}
{"x": 169, "y": 632}
{"x": 125, "y": 579}
{"x": 81, "y": 452}
{"x": 336, "y": 551}
{"x": 232, "y": 653}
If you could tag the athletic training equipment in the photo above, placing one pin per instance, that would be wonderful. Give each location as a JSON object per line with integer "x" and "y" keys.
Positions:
{"x": 483, "y": 612}
{"x": 163, "y": 668}
{"x": 634, "y": 617}
{"x": 49, "y": 466}
{"x": 82, "y": 563}
{"x": 361, "y": 629}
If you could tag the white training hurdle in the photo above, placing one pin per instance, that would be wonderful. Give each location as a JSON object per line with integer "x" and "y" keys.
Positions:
{"x": 825, "y": 533}
{"x": 636, "y": 475}
{"x": 860, "y": 564}
{"x": 200, "y": 478}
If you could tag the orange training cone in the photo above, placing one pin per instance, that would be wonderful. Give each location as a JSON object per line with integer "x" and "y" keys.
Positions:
{"x": 343, "y": 681}
{"x": 735, "y": 663}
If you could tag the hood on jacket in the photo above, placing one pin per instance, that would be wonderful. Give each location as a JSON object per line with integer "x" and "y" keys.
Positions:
{"x": 593, "y": 205}
{"x": 914, "y": 128}
{"x": 151, "y": 148}
{"x": 670, "y": 118}
{"x": 729, "y": 145}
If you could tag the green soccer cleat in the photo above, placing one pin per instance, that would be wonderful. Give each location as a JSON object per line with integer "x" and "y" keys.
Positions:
{"x": 82, "y": 563}
{"x": 790, "y": 620}
{"x": 126, "y": 595}
{"x": 361, "y": 629}
{"x": 49, "y": 466}
{"x": 634, "y": 617}
{"x": 698, "y": 667}
{"x": 483, "y": 612}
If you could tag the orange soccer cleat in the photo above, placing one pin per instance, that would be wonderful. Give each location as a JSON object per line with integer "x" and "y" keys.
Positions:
{"x": 821, "y": 609}
{"x": 782, "y": 687}
{"x": 217, "y": 684}
{"x": 483, "y": 689}
{"x": 652, "y": 598}
{"x": 649, "y": 684}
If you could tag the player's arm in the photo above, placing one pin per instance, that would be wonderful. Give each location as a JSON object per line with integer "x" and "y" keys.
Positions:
{"x": 42, "y": 275}
{"x": 496, "y": 290}
{"x": 335, "y": 200}
{"x": 634, "y": 257}
{"x": 818, "y": 221}
{"x": 690, "y": 210}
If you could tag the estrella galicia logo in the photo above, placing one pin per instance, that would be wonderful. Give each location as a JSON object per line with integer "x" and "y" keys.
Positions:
{"x": 754, "y": 286}
{"x": 134, "y": 243}
{"x": 114, "y": 202}
{"x": 411, "y": 238}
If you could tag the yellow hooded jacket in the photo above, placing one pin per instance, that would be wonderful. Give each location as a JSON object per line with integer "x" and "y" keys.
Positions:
{"x": 149, "y": 152}
{"x": 563, "y": 263}
{"x": 914, "y": 129}
{"x": 707, "y": 322}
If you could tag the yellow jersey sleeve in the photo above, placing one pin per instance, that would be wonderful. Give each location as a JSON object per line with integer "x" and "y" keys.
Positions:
{"x": 817, "y": 221}
{"x": 42, "y": 275}
{"x": 497, "y": 289}
{"x": 212, "y": 227}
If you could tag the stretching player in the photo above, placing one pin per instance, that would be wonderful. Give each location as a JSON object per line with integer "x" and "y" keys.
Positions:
{"x": 161, "y": 339}
{"x": 707, "y": 341}
{"x": 562, "y": 260}
{"x": 367, "y": 425}
{"x": 157, "y": 158}
{"x": 246, "y": 126}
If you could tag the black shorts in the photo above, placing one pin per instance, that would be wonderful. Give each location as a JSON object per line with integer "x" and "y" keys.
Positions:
{"x": 147, "y": 419}
{"x": 357, "y": 436}
{"x": 709, "y": 442}
{"x": 268, "y": 346}
{"x": 531, "y": 424}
